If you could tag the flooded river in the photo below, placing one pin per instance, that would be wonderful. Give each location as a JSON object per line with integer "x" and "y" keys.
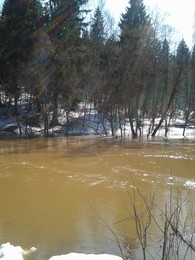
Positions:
{"x": 63, "y": 194}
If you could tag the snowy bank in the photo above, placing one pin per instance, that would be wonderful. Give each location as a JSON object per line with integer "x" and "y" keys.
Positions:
{"x": 10, "y": 252}
{"x": 88, "y": 121}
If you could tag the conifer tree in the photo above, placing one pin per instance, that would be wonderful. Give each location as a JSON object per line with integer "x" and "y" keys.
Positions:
{"x": 152, "y": 99}
{"x": 192, "y": 99}
{"x": 95, "y": 58}
{"x": 97, "y": 33}
{"x": 134, "y": 39}
{"x": 175, "y": 99}
{"x": 19, "y": 22}
{"x": 189, "y": 101}
{"x": 134, "y": 20}
{"x": 182, "y": 63}
{"x": 64, "y": 26}
{"x": 160, "y": 91}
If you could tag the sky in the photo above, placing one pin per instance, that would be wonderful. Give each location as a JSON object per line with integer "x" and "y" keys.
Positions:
{"x": 179, "y": 14}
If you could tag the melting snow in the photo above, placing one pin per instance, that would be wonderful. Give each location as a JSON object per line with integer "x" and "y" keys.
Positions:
{"x": 190, "y": 184}
{"x": 10, "y": 252}
{"x": 75, "y": 256}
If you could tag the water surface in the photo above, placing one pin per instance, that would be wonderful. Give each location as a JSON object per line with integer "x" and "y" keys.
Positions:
{"x": 63, "y": 194}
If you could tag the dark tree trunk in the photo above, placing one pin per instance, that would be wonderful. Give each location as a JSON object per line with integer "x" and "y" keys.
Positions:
{"x": 54, "y": 120}
{"x": 133, "y": 132}
{"x": 173, "y": 93}
{"x": 186, "y": 120}
{"x": 16, "y": 104}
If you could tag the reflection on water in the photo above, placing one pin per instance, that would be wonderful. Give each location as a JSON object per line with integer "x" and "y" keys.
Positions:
{"x": 53, "y": 190}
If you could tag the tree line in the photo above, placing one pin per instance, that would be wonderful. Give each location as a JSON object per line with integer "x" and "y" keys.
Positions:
{"x": 53, "y": 56}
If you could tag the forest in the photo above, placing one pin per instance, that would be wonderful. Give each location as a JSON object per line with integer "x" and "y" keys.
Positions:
{"x": 60, "y": 55}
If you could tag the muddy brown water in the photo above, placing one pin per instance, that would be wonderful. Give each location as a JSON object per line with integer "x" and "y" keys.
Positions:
{"x": 63, "y": 194}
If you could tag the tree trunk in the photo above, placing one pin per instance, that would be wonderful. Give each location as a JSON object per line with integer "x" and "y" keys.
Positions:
{"x": 54, "y": 120}
{"x": 186, "y": 120}
{"x": 46, "y": 124}
{"x": 112, "y": 122}
{"x": 173, "y": 93}
{"x": 16, "y": 104}
{"x": 133, "y": 132}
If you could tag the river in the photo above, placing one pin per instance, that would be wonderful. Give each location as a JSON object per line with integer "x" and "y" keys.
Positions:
{"x": 71, "y": 194}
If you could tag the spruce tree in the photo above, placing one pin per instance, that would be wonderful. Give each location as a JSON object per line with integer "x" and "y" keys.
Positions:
{"x": 182, "y": 64}
{"x": 178, "y": 85}
{"x": 64, "y": 26}
{"x": 189, "y": 100}
{"x": 134, "y": 40}
{"x": 133, "y": 21}
{"x": 19, "y": 22}
{"x": 95, "y": 55}
{"x": 97, "y": 33}
{"x": 162, "y": 77}
{"x": 193, "y": 80}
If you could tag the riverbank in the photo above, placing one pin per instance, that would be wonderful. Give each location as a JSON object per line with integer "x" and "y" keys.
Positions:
{"x": 92, "y": 124}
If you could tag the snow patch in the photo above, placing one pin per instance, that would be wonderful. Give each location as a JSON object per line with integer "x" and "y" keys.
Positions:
{"x": 75, "y": 256}
{"x": 10, "y": 252}
{"x": 190, "y": 184}
{"x": 87, "y": 120}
